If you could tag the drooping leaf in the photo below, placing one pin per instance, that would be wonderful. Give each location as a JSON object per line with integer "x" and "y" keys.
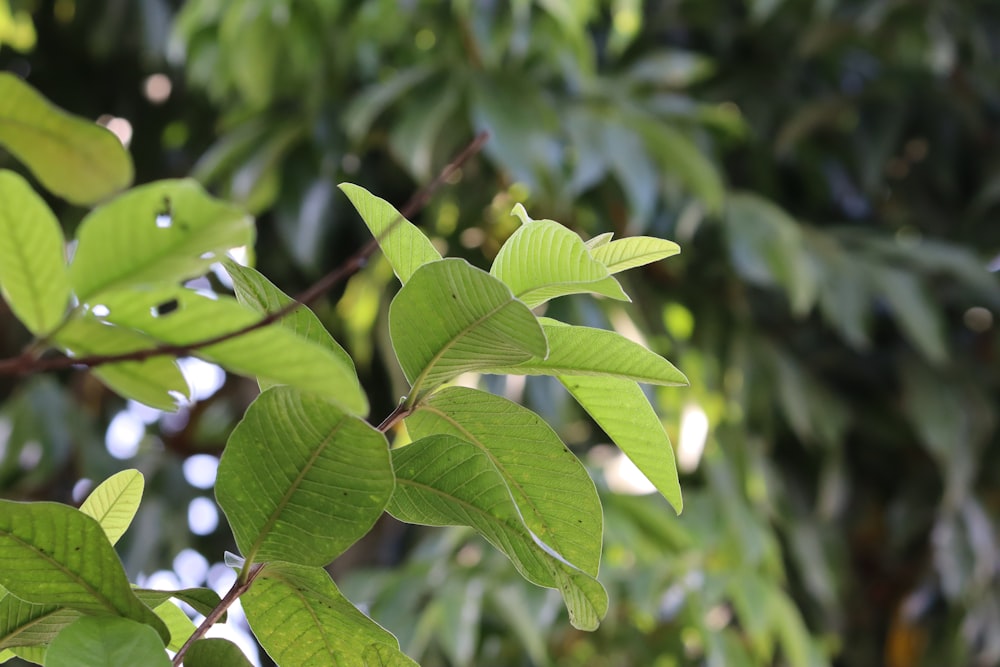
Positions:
{"x": 56, "y": 555}
{"x": 157, "y": 381}
{"x": 451, "y": 318}
{"x": 72, "y": 157}
{"x": 443, "y": 480}
{"x": 301, "y": 481}
{"x": 543, "y": 260}
{"x": 622, "y": 410}
{"x": 114, "y": 502}
{"x": 215, "y": 652}
{"x": 404, "y": 245}
{"x": 202, "y": 600}
{"x": 26, "y": 624}
{"x": 167, "y": 231}
{"x": 577, "y": 350}
{"x": 181, "y": 316}
{"x": 255, "y": 291}
{"x": 33, "y": 277}
{"x": 102, "y": 641}
{"x": 553, "y": 491}
{"x": 300, "y": 618}
{"x": 633, "y": 251}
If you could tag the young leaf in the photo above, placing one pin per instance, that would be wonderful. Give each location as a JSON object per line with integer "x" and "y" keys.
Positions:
{"x": 215, "y": 652}
{"x": 404, "y": 245}
{"x": 100, "y": 642}
{"x": 33, "y": 276}
{"x": 585, "y": 351}
{"x": 179, "y": 316}
{"x": 300, "y": 618}
{"x": 255, "y": 291}
{"x": 451, "y": 318}
{"x": 157, "y": 381}
{"x": 598, "y": 241}
{"x": 114, "y": 502}
{"x": 633, "y": 251}
{"x": 72, "y": 157}
{"x": 56, "y": 555}
{"x": 26, "y": 624}
{"x": 553, "y": 491}
{"x": 543, "y": 260}
{"x": 301, "y": 481}
{"x": 622, "y": 410}
{"x": 445, "y": 481}
{"x": 166, "y": 231}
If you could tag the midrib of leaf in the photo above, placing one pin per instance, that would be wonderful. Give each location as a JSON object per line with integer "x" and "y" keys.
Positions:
{"x": 32, "y": 623}
{"x": 269, "y": 524}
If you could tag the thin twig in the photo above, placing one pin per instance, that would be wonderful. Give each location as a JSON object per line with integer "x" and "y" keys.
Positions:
{"x": 29, "y": 363}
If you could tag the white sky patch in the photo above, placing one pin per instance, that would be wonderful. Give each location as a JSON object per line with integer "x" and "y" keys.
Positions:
{"x": 624, "y": 477}
{"x": 694, "y": 433}
{"x": 191, "y": 568}
{"x": 237, "y": 631}
{"x": 163, "y": 580}
{"x": 82, "y": 489}
{"x": 220, "y": 578}
{"x": 203, "y": 378}
{"x": 203, "y": 516}
{"x": 200, "y": 470}
{"x": 125, "y": 433}
{"x": 143, "y": 413}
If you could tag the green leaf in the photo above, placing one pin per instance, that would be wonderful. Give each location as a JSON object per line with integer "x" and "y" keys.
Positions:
{"x": 33, "y": 654}
{"x": 33, "y": 276}
{"x": 180, "y": 626}
{"x": 300, "y": 618}
{"x": 101, "y": 642}
{"x": 181, "y": 316}
{"x": 26, "y": 624}
{"x": 404, "y": 245}
{"x": 114, "y": 502}
{"x": 555, "y": 495}
{"x": 215, "y": 652}
{"x": 202, "y": 600}
{"x": 913, "y": 310}
{"x": 157, "y": 382}
{"x": 586, "y": 351}
{"x": 365, "y": 107}
{"x": 72, "y": 157}
{"x": 622, "y": 410}
{"x": 255, "y": 291}
{"x": 451, "y": 318}
{"x": 57, "y": 555}
{"x": 301, "y": 481}
{"x": 598, "y": 241}
{"x": 633, "y": 251}
{"x": 680, "y": 157}
{"x": 443, "y": 480}
{"x": 543, "y": 260}
{"x": 166, "y": 231}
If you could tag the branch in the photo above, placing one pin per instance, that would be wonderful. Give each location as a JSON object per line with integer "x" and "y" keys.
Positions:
{"x": 28, "y": 362}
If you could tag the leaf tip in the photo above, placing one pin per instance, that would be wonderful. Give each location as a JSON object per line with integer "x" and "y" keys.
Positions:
{"x": 519, "y": 212}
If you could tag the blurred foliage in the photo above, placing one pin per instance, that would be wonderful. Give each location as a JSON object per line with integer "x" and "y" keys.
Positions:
{"x": 828, "y": 169}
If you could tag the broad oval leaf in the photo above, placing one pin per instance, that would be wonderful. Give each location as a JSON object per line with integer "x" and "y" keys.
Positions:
{"x": 300, "y": 618}
{"x": 215, "y": 652}
{"x": 157, "y": 381}
{"x": 167, "y": 231}
{"x": 577, "y": 350}
{"x": 451, "y": 318}
{"x": 27, "y": 624}
{"x": 543, "y": 260}
{"x": 179, "y": 316}
{"x": 445, "y": 481}
{"x": 33, "y": 276}
{"x": 114, "y": 502}
{"x": 72, "y": 157}
{"x": 301, "y": 481}
{"x": 553, "y": 491}
{"x": 57, "y": 555}
{"x": 404, "y": 245}
{"x": 634, "y": 251}
{"x": 622, "y": 410}
{"x": 101, "y": 642}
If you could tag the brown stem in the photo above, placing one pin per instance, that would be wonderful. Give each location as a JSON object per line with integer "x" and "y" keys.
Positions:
{"x": 401, "y": 412}
{"x": 26, "y": 363}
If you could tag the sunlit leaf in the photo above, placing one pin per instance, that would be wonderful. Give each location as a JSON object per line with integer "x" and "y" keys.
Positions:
{"x": 633, "y": 251}
{"x": 553, "y": 491}
{"x": 32, "y": 654}
{"x": 181, "y": 316}
{"x": 301, "y": 481}
{"x": 443, "y": 480}
{"x": 33, "y": 277}
{"x": 180, "y": 626}
{"x": 167, "y": 231}
{"x": 57, "y": 555}
{"x": 114, "y": 502}
{"x": 300, "y": 618}
{"x": 405, "y": 246}
{"x": 543, "y": 260}
{"x": 476, "y": 323}
{"x": 215, "y": 652}
{"x": 104, "y": 641}
{"x": 26, "y": 624}
{"x": 622, "y": 410}
{"x": 72, "y": 157}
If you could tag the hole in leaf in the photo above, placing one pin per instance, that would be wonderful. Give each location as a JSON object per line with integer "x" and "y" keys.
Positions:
{"x": 164, "y": 308}
{"x": 165, "y": 216}
{"x": 100, "y": 310}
